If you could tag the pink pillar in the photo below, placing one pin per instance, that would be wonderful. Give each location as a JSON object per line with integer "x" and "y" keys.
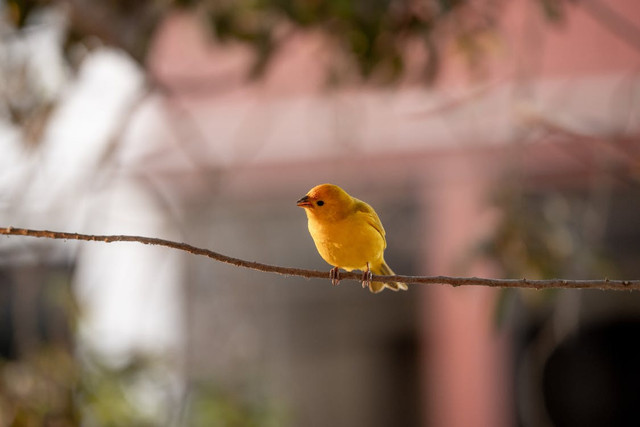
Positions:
{"x": 465, "y": 375}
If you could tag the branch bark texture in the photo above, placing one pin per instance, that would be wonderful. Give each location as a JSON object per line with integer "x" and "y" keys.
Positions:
{"x": 603, "y": 284}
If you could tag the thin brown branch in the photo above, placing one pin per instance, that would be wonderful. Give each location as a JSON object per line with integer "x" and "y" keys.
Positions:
{"x": 604, "y": 284}
{"x": 617, "y": 23}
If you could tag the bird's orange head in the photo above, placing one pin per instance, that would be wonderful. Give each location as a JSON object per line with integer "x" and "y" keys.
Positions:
{"x": 326, "y": 201}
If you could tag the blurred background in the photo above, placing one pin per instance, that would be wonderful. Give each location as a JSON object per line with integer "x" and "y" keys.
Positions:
{"x": 494, "y": 138}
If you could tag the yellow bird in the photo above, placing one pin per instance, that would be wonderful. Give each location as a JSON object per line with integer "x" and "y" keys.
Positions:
{"x": 348, "y": 234}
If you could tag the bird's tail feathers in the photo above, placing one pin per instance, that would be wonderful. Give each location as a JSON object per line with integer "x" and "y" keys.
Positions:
{"x": 385, "y": 270}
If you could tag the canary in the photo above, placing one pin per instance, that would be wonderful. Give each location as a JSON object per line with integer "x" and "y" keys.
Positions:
{"x": 348, "y": 234}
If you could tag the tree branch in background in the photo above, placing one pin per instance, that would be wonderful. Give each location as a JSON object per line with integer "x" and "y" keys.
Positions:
{"x": 604, "y": 284}
{"x": 617, "y": 23}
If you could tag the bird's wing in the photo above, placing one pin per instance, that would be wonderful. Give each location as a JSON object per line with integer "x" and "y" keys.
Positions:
{"x": 370, "y": 216}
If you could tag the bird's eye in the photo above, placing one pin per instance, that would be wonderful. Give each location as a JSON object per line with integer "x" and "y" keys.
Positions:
{"x": 320, "y": 203}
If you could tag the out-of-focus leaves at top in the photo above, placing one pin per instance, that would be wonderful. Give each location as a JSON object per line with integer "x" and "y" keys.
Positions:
{"x": 374, "y": 33}
{"x": 374, "y": 40}
{"x": 553, "y": 10}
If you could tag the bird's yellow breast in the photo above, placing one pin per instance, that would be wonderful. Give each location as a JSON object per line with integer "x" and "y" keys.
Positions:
{"x": 349, "y": 243}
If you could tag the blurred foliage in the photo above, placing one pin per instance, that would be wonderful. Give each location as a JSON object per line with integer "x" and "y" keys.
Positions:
{"x": 374, "y": 40}
{"x": 372, "y": 32}
{"x": 53, "y": 387}
{"x": 209, "y": 405}
{"x": 46, "y": 380}
{"x": 544, "y": 235}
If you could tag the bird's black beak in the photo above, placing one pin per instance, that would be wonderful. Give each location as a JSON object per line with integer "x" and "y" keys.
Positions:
{"x": 304, "y": 202}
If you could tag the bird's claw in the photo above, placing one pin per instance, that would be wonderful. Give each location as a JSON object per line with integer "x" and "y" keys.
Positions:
{"x": 334, "y": 275}
{"x": 367, "y": 276}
